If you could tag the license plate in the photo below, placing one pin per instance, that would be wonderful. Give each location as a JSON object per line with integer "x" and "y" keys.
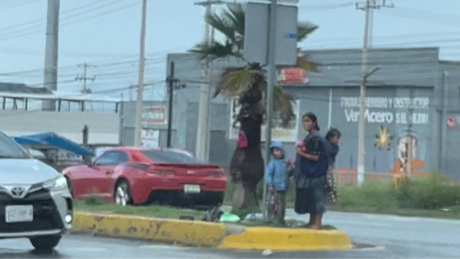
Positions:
{"x": 15, "y": 214}
{"x": 192, "y": 188}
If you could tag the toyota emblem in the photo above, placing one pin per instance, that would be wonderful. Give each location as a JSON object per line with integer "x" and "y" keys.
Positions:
{"x": 18, "y": 192}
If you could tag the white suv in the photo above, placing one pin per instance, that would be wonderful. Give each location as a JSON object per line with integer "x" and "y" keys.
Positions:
{"x": 35, "y": 201}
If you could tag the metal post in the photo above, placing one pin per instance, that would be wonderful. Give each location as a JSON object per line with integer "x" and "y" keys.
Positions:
{"x": 362, "y": 102}
{"x": 171, "y": 101}
{"x": 410, "y": 148}
{"x": 84, "y": 77}
{"x": 140, "y": 85}
{"x": 121, "y": 130}
{"x": 203, "y": 129}
{"x": 270, "y": 89}
{"x": 444, "y": 100}
{"x": 51, "y": 52}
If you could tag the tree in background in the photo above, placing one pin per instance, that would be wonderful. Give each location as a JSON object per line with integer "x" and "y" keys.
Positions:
{"x": 248, "y": 84}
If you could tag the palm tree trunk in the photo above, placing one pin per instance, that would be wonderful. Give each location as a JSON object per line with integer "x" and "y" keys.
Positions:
{"x": 247, "y": 167}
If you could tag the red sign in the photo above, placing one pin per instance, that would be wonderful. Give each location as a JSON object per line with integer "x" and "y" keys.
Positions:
{"x": 154, "y": 115}
{"x": 294, "y": 75}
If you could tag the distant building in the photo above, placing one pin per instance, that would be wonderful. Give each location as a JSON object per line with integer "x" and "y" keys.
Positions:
{"x": 412, "y": 84}
{"x": 21, "y": 114}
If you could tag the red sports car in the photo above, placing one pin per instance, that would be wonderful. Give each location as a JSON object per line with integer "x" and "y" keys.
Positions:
{"x": 129, "y": 175}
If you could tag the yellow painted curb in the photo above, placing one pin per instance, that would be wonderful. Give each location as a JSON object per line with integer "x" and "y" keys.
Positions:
{"x": 184, "y": 232}
{"x": 287, "y": 239}
{"x": 198, "y": 233}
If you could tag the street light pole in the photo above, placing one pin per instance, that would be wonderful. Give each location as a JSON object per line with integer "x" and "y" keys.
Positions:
{"x": 203, "y": 130}
{"x": 362, "y": 101}
{"x": 140, "y": 85}
{"x": 271, "y": 60}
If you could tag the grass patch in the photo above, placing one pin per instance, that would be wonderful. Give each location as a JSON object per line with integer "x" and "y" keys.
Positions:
{"x": 431, "y": 196}
{"x": 153, "y": 211}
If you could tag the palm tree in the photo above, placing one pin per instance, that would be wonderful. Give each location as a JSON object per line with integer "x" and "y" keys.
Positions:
{"x": 248, "y": 84}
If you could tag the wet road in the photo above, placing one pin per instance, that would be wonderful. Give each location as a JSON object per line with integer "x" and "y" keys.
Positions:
{"x": 407, "y": 237}
{"x": 395, "y": 237}
{"x": 76, "y": 246}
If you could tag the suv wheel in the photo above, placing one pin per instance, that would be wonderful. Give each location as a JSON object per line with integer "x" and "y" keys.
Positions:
{"x": 45, "y": 242}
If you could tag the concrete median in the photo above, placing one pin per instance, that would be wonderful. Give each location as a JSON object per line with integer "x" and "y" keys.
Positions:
{"x": 219, "y": 235}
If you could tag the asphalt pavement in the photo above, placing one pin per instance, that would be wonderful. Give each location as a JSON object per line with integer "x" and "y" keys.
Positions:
{"x": 392, "y": 237}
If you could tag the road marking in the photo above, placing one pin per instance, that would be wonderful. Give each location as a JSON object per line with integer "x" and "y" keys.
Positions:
{"x": 370, "y": 249}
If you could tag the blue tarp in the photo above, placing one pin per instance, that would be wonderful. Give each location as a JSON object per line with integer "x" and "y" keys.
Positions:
{"x": 51, "y": 139}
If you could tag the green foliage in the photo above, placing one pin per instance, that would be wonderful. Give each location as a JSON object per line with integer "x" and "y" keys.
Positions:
{"x": 94, "y": 200}
{"x": 432, "y": 192}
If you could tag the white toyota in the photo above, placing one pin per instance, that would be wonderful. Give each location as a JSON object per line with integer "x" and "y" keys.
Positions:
{"x": 35, "y": 201}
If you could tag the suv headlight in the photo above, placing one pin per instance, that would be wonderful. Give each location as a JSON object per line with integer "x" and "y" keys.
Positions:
{"x": 56, "y": 184}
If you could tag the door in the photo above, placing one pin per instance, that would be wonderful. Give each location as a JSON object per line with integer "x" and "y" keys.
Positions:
{"x": 103, "y": 167}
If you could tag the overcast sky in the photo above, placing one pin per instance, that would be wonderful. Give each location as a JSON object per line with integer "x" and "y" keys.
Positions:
{"x": 106, "y": 33}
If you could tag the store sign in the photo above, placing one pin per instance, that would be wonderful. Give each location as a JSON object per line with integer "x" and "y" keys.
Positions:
{"x": 150, "y": 138}
{"x": 154, "y": 115}
{"x": 292, "y": 76}
{"x": 399, "y": 110}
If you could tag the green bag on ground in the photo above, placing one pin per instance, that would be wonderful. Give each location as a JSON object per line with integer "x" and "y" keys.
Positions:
{"x": 228, "y": 217}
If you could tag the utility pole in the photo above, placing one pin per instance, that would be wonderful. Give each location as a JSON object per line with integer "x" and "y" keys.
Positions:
{"x": 51, "y": 52}
{"x": 140, "y": 84}
{"x": 368, "y": 5}
{"x": 85, "y": 78}
{"x": 204, "y": 121}
{"x": 171, "y": 85}
{"x": 410, "y": 145}
{"x": 271, "y": 58}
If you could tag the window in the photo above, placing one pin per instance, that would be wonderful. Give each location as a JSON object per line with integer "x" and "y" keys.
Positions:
{"x": 122, "y": 157}
{"x": 112, "y": 158}
{"x": 10, "y": 149}
{"x": 108, "y": 158}
{"x": 168, "y": 157}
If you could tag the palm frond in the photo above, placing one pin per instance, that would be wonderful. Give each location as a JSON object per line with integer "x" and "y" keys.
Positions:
{"x": 222, "y": 24}
{"x": 216, "y": 51}
{"x": 304, "y": 62}
{"x": 283, "y": 103}
{"x": 237, "y": 81}
{"x": 304, "y": 29}
{"x": 235, "y": 13}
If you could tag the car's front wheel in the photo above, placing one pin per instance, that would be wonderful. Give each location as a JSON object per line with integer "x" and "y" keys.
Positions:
{"x": 45, "y": 242}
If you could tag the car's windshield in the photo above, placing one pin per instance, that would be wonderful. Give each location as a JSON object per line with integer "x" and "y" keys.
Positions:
{"x": 10, "y": 149}
{"x": 168, "y": 156}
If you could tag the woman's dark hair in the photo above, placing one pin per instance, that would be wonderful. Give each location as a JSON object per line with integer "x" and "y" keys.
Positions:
{"x": 332, "y": 133}
{"x": 313, "y": 118}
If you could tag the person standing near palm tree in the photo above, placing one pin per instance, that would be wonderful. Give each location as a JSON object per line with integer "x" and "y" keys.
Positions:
{"x": 247, "y": 84}
{"x": 311, "y": 168}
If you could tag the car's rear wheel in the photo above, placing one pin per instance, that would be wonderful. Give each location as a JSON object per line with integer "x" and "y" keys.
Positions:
{"x": 123, "y": 194}
{"x": 45, "y": 242}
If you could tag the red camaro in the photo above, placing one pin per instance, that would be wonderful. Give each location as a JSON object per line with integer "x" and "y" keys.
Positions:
{"x": 139, "y": 175}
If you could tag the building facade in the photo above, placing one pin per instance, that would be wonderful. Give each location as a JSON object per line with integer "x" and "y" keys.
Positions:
{"x": 413, "y": 99}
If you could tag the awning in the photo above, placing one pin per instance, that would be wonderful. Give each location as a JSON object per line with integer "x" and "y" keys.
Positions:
{"x": 51, "y": 139}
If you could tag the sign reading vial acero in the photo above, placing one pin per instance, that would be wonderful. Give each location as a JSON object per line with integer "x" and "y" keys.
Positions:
{"x": 154, "y": 115}
{"x": 399, "y": 110}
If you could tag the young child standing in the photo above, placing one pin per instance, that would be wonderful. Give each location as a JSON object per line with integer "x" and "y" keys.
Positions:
{"x": 277, "y": 179}
{"x": 333, "y": 138}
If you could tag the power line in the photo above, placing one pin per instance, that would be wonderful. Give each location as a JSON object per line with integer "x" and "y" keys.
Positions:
{"x": 37, "y": 29}
{"x": 44, "y": 19}
{"x": 16, "y": 4}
